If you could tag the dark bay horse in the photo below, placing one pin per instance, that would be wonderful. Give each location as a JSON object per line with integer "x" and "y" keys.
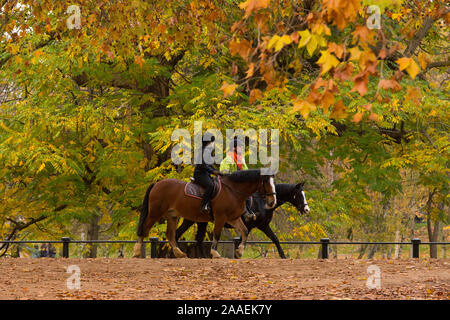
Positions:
{"x": 291, "y": 193}
{"x": 166, "y": 199}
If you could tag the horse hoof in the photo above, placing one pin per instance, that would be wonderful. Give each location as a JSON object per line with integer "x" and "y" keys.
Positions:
{"x": 215, "y": 254}
{"x": 137, "y": 251}
{"x": 179, "y": 254}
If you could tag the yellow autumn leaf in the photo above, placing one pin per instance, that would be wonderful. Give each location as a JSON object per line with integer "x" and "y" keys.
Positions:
{"x": 423, "y": 60}
{"x": 279, "y": 42}
{"x": 312, "y": 45}
{"x": 413, "y": 69}
{"x": 305, "y": 37}
{"x": 409, "y": 65}
{"x": 41, "y": 167}
{"x": 355, "y": 53}
{"x": 327, "y": 60}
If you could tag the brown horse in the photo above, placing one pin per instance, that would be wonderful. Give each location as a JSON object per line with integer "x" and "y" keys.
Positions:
{"x": 166, "y": 199}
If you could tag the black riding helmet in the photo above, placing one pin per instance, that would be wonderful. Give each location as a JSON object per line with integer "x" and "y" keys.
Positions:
{"x": 235, "y": 143}
{"x": 207, "y": 139}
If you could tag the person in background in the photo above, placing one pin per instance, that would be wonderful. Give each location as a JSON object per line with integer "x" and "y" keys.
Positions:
{"x": 51, "y": 250}
{"x": 44, "y": 251}
{"x": 35, "y": 253}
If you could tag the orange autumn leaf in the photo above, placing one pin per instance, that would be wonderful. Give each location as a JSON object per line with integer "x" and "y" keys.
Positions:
{"x": 339, "y": 111}
{"x": 38, "y": 53}
{"x": 337, "y": 49}
{"x": 383, "y": 54}
{"x": 304, "y": 107}
{"x": 139, "y": 60}
{"x": 228, "y": 89}
{"x": 342, "y": 12}
{"x": 327, "y": 101}
{"x": 250, "y": 5}
{"x": 374, "y": 117}
{"x": 241, "y": 47}
{"x": 357, "y": 117}
{"x": 362, "y": 32}
{"x": 389, "y": 84}
{"x": 250, "y": 70}
{"x": 294, "y": 36}
{"x": 344, "y": 73}
{"x": 367, "y": 106}
{"x": 260, "y": 20}
{"x": 234, "y": 69}
{"x": 361, "y": 81}
{"x": 255, "y": 94}
{"x": 413, "y": 95}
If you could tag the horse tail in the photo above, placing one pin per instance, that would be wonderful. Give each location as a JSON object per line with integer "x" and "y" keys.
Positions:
{"x": 144, "y": 212}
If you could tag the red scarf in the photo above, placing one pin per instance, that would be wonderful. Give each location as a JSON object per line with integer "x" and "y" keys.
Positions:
{"x": 237, "y": 160}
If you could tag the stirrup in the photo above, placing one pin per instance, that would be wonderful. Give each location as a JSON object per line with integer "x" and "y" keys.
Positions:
{"x": 249, "y": 215}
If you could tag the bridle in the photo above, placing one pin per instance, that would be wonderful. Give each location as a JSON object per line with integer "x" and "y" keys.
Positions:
{"x": 265, "y": 193}
{"x": 303, "y": 205}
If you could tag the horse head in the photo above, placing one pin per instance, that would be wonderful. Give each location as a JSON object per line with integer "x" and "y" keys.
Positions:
{"x": 268, "y": 191}
{"x": 298, "y": 198}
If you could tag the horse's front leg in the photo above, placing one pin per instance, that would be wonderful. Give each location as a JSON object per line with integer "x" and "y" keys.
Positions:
{"x": 239, "y": 225}
{"x": 218, "y": 226}
{"x": 171, "y": 228}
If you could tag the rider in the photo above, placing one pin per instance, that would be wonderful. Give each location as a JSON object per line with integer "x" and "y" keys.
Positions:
{"x": 202, "y": 174}
{"x": 234, "y": 161}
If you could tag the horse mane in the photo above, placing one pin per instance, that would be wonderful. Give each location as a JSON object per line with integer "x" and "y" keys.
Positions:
{"x": 245, "y": 175}
{"x": 284, "y": 188}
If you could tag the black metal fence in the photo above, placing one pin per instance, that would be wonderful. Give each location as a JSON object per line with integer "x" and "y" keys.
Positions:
{"x": 324, "y": 243}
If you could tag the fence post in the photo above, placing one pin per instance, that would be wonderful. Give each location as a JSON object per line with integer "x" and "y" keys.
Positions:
{"x": 153, "y": 247}
{"x": 415, "y": 247}
{"x": 66, "y": 241}
{"x": 236, "y": 242}
{"x": 325, "y": 242}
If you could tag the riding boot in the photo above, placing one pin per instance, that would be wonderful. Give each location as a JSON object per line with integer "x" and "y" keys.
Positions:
{"x": 249, "y": 214}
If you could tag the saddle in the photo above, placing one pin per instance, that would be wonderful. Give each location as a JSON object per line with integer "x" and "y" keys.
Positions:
{"x": 196, "y": 191}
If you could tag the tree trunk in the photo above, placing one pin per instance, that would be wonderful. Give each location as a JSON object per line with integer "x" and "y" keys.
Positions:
{"x": 362, "y": 251}
{"x": 397, "y": 246}
{"x": 444, "y": 247}
{"x": 433, "y": 236}
{"x": 433, "y": 232}
{"x": 334, "y": 250}
{"x": 92, "y": 234}
{"x": 372, "y": 251}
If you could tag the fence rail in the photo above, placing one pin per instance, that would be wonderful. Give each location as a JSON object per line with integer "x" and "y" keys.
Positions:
{"x": 324, "y": 242}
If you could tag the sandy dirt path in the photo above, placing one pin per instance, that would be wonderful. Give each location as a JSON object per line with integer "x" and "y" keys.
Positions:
{"x": 102, "y": 278}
